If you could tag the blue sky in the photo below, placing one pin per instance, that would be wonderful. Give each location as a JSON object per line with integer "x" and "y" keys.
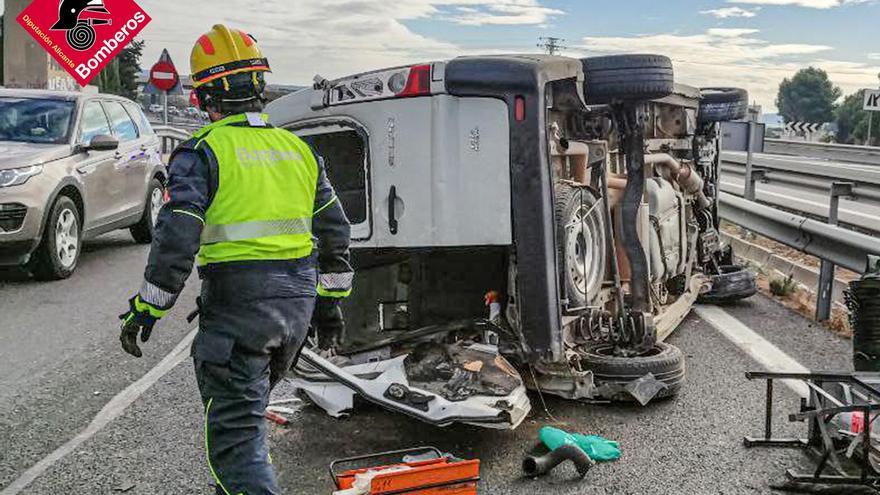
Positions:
{"x": 748, "y": 43}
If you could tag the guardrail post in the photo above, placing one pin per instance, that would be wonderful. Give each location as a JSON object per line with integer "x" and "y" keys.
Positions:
{"x": 749, "y": 139}
{"x": 752, "y": 176}
{"x": 826, "y": 270}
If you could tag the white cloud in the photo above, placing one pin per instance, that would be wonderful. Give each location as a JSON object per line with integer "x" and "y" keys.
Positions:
{"x": 730, "y": 32}
{"x": 329, "y": 37}
{"x": 737, "y": 57}
{"x": 727, "y": 12}
{"x": 813, "y": 4}
{"x": 874, "y": 56}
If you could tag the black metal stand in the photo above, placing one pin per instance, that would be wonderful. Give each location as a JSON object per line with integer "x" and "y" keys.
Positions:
{"x": 818, "y": 411}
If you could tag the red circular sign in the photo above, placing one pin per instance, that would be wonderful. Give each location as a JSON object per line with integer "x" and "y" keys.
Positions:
{"x": 164, "y": 76}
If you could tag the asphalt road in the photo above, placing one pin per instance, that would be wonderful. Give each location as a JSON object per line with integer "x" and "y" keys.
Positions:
{"x": 60, "y": 363}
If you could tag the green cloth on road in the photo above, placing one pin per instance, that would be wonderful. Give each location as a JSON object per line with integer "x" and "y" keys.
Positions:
{"x": 598, "y": 448}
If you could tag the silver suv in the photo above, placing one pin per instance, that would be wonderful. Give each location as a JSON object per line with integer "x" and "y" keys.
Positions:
{"x": 73, "y": 166}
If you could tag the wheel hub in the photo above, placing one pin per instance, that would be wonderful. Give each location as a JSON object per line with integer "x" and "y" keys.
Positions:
{"x": 66, "y": 238}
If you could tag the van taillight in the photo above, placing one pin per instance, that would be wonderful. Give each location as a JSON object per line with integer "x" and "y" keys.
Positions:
{"x": 418, "y": 83}
{"x": 519, "y": 108}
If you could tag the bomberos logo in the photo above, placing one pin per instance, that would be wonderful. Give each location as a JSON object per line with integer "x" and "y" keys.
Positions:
{"x": 83, "y": 35}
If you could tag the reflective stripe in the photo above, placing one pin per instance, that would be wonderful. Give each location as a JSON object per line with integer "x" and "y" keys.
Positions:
{"x": 336, "y": 294}
{"x": 328, "y": 203}
{"x": 208, "y": 449}
{"x": 335, "y": 281}
{"x": 184, "y": 212}
{"x": 255, "y": 230}
{"x": 156, "y": 296}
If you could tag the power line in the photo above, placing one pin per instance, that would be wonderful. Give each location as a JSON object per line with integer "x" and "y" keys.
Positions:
{"x": 551, "y": 44}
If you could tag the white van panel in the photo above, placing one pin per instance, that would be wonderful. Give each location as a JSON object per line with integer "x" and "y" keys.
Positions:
{"x": 448, "y": 160}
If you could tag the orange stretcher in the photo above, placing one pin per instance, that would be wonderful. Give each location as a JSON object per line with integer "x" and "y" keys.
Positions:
{"x": 438, "y": 476}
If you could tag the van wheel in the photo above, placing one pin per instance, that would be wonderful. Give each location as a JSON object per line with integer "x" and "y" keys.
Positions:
{"x": 58, "y": 253}
{"x": 143, "y": 230}
{"x": 616, "y": 78}
{"x": 664, "y": 361}
{"x": 723, "y": 104}
{"x": 732, "y": 284}
{"x": 581, "y": 243}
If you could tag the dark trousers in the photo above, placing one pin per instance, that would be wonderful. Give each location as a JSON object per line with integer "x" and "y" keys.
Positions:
{"x": 252, "y": 326}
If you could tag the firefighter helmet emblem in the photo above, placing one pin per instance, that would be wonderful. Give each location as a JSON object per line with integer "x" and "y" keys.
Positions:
{"x": 77, "y": 18}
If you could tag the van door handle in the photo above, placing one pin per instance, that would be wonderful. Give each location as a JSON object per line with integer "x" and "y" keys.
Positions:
{"x": 392, "y": 219}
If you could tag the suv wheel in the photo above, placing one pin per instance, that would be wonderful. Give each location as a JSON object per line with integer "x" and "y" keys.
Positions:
{"x": 723, "y": 104}
{"x": 143, "y": 230}
{"x": 58, "y": 252}
{"x": 616, "y": 78}
{"x": 582, "y": 244}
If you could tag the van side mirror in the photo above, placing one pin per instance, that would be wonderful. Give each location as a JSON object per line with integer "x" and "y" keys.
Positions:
{"x": 102, "y": 143}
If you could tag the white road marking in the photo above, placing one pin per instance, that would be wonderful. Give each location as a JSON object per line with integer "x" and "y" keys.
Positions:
{"x": 757, "y": 347}
{"x": 108, "y": 413}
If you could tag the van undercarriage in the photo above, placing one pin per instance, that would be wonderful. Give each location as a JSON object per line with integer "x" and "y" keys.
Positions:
{"x": 597, "y": 232}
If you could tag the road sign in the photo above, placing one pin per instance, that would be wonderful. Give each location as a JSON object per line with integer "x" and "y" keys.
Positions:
{"x": 164, "y": 76}
{"x": 802, "y": 127}
{"x": 872, "y": 100}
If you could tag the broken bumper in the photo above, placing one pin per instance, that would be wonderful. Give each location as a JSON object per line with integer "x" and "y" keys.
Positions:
{"x": 385, "y": 383}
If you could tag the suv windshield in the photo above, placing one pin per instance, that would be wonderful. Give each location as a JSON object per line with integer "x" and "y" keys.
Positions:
{"x": 33, "y": 120}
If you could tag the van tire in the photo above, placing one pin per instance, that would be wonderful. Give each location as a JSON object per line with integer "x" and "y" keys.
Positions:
{"x": 46, "y": 263}
{"x": 732, "y": 284}
{"x": 615, "y": 78}
{"x": 723, "y": 104}
{"x": 572, "y": 242}
{"x": 142, "y": 232}
{"x": 665, "y": 361}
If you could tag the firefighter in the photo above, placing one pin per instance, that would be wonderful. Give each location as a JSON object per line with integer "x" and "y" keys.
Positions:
{"x": 249, "y": 200}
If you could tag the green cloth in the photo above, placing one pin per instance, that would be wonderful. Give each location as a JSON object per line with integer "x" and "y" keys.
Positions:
{"x": 598, "y": 448}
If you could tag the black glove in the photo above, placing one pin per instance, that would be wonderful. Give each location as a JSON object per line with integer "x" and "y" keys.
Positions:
{"x": 140, "y": 318}
{"x": 328, "y": 322}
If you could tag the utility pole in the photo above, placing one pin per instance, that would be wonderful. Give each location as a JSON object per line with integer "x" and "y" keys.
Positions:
{"x": 551, "y": 45}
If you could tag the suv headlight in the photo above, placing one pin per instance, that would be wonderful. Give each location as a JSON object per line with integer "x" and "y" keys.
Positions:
{"x": 18, "y": 176}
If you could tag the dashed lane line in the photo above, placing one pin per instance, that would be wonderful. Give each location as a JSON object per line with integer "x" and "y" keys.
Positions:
{"x": 757, "y": 347}
{"x": 108, "y": 413}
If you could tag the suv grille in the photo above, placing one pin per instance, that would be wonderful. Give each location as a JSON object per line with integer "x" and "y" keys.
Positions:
{"x": 11, "y": 216}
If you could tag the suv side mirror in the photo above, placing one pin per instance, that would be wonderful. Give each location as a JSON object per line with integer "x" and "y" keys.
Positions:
{"x": 102, "y": 143}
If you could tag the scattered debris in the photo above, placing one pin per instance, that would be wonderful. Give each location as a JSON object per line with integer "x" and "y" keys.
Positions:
{"x": 598, "y": 448}
{"x": 124, "y": 487}
{"x": 535, "y": 465}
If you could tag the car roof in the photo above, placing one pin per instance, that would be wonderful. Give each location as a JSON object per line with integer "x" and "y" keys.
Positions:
{"x": 55, "y": 95}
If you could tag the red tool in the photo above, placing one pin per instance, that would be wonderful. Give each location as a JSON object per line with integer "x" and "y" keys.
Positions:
{"x": 437, "y": 476}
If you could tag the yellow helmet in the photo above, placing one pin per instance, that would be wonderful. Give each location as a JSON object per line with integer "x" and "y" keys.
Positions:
{"x": 222, "y": 52}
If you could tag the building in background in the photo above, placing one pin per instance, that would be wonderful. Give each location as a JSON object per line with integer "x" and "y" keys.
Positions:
{"x": 25, "y": 63}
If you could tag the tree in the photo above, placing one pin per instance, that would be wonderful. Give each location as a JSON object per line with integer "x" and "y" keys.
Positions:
{"x": 120, "y": 76}
{"x": 852, "y": 120}
{"x": 808, "y": 97}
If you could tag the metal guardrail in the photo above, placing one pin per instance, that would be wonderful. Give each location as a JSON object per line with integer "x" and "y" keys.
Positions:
{"x": 840, "y": 246}
{"x": 829, "y": 151}
{"x": 171, "y": 137}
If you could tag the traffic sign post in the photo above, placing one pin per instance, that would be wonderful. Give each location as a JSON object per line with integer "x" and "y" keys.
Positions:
{"x": 164, "y": 76}
{"x": 872, "y": 104}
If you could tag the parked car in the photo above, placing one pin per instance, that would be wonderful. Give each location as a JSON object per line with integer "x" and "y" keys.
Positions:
{"x": 543, "y": 214}
{"x": 73, "y": 166}
{"x": 155, "y": 108}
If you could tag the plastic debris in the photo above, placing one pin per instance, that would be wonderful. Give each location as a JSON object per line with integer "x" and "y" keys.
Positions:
{"x": 596, "y": 447}
{"x": 645, "y": 388}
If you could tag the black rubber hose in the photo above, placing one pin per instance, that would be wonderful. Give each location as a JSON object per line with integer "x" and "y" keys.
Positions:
{"x": 632, "y": 138}
{"x": 541, "y": 465}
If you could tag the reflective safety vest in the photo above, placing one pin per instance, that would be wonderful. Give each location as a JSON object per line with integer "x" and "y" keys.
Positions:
{"x": 263, "y": 206}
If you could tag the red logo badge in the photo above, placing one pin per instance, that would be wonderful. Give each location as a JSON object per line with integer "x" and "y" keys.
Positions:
{"x": 83, "y": 35}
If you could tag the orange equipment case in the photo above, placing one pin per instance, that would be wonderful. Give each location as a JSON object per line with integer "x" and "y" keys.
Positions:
{"x": 440, "y": 476}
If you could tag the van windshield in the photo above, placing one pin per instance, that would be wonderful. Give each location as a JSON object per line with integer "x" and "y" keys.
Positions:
{"x": 34, "y": 120}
